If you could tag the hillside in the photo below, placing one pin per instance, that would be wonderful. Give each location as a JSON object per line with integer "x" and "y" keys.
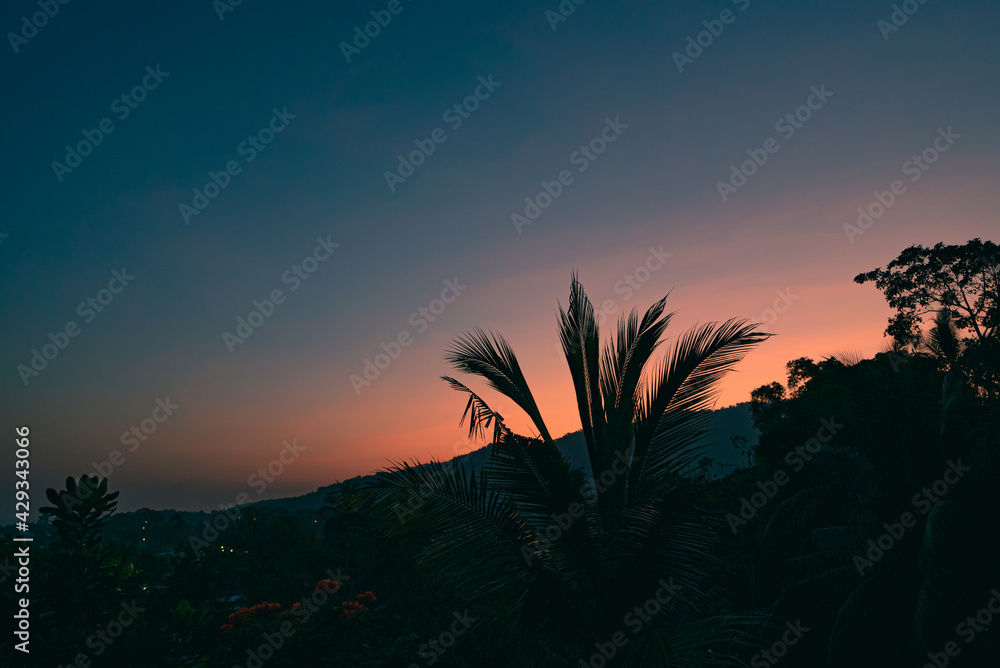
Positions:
{"x": 726, "y": 422}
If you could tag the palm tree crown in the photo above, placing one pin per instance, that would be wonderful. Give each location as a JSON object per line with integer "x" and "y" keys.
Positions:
{"x": 535, "y": 536}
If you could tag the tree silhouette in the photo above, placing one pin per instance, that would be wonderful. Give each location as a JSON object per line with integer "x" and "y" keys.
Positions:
{"x": 81, "y": 582}
{"x": 960, "y": 284}
{"x": 964, "y": 280}
{"x": 572, "y": 554}
{"x": 80, "y": 511}
{"x": 832, "y": 542}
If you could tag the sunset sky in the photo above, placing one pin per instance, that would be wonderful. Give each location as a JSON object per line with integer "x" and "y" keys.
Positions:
{"x": 672, "y": 127}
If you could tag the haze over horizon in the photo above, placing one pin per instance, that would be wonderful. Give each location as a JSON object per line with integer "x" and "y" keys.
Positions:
{"x": 642, "y": 216}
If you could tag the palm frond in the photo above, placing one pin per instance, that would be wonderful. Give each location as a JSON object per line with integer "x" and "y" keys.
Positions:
{"x": 846, "y": 356}
{"x": 672, "y": 536}
{"x": 624, "y": 360}
{"x": 491, "y": 358}
{"x": 673, "y": 412}
{"x": 472, "y": 533}
{"x": 536, "y": 476}
{"x": 623, "y": 363}
{"x": 480, "y": 415}
{"x": 578, "y": 332}
{"x": 943, "y": 341}
{"x": 547, "y": 493}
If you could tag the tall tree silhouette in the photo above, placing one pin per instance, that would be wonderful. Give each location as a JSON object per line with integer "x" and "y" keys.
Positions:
{"x": 961, "y": 283}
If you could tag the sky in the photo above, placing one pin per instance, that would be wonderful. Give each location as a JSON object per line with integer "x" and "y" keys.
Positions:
{"x": 185, "y": 165}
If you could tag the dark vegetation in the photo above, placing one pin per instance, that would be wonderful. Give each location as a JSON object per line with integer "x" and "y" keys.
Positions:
{"x": 863, "y": 531}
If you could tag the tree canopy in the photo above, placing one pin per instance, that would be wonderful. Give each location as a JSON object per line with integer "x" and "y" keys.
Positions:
{"x": 962, "y": 280}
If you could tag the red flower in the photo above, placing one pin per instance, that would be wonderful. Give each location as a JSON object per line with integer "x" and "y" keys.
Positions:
{"x": 241, "y": 616}
{"x": 367, "y": 597}
{"x": 331, "y": 586}
{"x": 226, "y": 627}
{"x": 350, "y": 608}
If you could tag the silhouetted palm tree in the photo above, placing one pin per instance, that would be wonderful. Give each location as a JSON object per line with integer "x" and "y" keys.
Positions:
{"x": 572, "y": 555}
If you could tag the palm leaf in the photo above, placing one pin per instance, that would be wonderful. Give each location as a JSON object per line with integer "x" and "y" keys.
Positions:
{"x": 622, "y": 368}
{"x": 480, "y": 415}
{"x": 673, "y": 412}
{"x": 491, "y": 358}
{"x": 579, "y": 335}
{"x": 473, "y": 535}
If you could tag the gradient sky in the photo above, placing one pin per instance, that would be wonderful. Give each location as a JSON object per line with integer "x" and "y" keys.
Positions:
{"x": 323, "y": 176}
